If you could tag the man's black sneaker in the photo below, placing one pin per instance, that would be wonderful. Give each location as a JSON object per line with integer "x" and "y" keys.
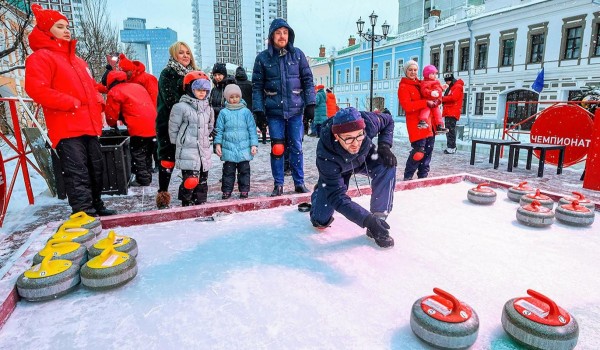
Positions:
{"x": 301, "y": 189}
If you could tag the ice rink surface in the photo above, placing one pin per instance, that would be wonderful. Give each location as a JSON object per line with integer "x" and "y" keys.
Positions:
{"x": 268, "y": 280}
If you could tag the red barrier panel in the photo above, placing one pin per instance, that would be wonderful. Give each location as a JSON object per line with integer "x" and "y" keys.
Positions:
{"x": 591, "y": 180}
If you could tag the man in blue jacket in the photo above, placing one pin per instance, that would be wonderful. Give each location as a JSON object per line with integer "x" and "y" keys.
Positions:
{"x": 345, "y": 149}
{"x": 282, "y": 92}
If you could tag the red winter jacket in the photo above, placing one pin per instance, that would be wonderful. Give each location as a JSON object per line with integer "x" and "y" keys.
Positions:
{"x": 61, "y": 83}
{"x": 131, "y": 103}
{"x": 332, "y": 107}
{"x": 454, "y": 100}
{"x": 428, "y": 87}
{"x": 410, "y": 99}
{"x": 147, "y": 80}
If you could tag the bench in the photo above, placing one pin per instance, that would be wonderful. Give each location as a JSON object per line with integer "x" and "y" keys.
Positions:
{"x": 495, "y": 147}
{"x": 513, "y": 156}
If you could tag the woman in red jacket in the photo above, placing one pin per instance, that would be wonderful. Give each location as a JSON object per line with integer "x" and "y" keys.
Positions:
{"x": 452, "y": 102}
{"x": 421, "y": 140}
{"x": 61, "y": 83}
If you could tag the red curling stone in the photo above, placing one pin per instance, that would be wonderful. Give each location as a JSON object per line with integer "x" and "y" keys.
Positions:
{"x": 578, "y": 197}
{"x": 574, "y": 214}
{"x": 482, "y": 194}
{"x": 537, "y": 196}
{"x": 443, "y": 321}
{"x": 539, "y": 323}
{"x": 516, "y": 192}
{"x": 535, "y": 215}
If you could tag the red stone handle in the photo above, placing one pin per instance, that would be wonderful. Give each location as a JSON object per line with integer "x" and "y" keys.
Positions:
{"x": 554, "y": 311}
{"x": 579, "y": 196}
{"x": 449, "y": 297}
{"x": 482, "y": 185}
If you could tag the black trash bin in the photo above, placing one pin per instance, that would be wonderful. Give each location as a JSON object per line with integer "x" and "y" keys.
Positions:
{"x": 117, "y": 166}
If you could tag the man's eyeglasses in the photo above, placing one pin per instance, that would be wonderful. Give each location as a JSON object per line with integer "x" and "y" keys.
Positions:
{"x": 350, "y": 140}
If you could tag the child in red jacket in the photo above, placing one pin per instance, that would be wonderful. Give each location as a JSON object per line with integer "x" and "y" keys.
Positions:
{"x": 431, "y": 90}
{"x": 131, "y": 103}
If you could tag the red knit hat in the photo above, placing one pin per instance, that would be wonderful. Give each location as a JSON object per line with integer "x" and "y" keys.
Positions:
{"x": 125, "y": 64}
{"x": 45, "y": 19}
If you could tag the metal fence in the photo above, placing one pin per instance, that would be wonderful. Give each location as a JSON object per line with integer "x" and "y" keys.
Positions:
{"x": 479, "y": 130}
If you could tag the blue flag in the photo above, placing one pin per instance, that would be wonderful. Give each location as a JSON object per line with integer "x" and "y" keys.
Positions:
{"x": 538, "y": 84}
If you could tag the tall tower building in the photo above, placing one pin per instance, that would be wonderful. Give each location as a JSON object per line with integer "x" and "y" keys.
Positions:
{"x": 232, "y": 31}
{"x": 151, "y": 46}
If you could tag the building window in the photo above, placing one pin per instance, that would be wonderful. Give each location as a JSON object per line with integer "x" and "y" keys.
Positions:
{"x": 536, "y": 50}
{"x": 435, "y": 59}
{"x": 347, "y": 75}
{"x": 449, "y": 61}
{"x": 387, "y": 70}
{"x": 596, "y": 41}
{"x": 356, "y": 74}
{"x": 464, "y": 104}
{"x": 482, "y": 56}
{"x": 400, "y": 69}
{"x": 479, "y": 103}
{"x": 415, "y": 58}
{"x": 375, "y": 71}
{"x": 338, "y": 77}
{"x": 464, "y": 58}
{"x": 573, "y": 43}
{"x": 508, "y": 52}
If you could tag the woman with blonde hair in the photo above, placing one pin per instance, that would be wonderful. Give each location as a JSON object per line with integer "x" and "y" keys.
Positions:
{"x": 170, "y": 90}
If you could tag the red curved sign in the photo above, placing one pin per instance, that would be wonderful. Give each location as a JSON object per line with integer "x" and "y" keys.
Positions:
{"x": 2, "y": 189}
{"x": 567, "y": 125}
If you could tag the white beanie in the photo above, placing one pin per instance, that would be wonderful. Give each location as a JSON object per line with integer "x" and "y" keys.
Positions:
{"x": 232, "y": 89}
{"x": 410, "y": 63}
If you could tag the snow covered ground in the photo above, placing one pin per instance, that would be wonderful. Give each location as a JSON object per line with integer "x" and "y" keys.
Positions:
{"x": 268, "y": 280}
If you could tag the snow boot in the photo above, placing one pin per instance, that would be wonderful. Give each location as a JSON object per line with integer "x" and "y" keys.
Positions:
{"x": 226, "y": 195}
{"x": 422, "y": 124}
{"x": 301, "y": 189}
{"x": 163, "y": 199}
{"x": 383, "y": 241}
{"x": 243, "y": 195}
{"x": 450, "y": 151}
{"x": 277, "y": 191}
{"x": 319, "y": 226}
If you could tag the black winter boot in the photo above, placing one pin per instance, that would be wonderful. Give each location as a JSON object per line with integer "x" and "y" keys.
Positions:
{"x": 301, "y": 189}
{"x": 277, "y": 191}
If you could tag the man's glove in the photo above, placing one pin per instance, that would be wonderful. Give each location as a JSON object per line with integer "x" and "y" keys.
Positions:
{"x": 309, "y": 113}
{"x": 431, "y": 104}
{"x": 387, "y": 157}
{"x": 377, "y": 226}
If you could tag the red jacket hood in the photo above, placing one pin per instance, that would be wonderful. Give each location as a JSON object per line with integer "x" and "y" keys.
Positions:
{"x": 39, "y": 40}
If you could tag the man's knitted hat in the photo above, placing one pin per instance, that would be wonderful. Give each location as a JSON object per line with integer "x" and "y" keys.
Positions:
{"x": 347, "y": 120}
{"x": 45, "y": 19}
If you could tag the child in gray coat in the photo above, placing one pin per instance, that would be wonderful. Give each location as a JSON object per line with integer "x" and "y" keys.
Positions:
{"x": 236, "y": 142}
{"x": 190, "y": 123}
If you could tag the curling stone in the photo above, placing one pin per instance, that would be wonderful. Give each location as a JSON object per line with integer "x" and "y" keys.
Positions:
{"x": 81, "y": 219}
{"x": 76, "y": 234}
{"x": 538, "y": 322}
{"x": 516, "y": 192}
{"x": 580, "y": 198}
{"x": 122, "y": 244}
{"x": 49, "y": 279}
{"x": 537, "y": 196}
{"x": 110, "y": 269}
{"x": 535, "y": 215}
{"x": 443, "y": 321}
{"x": 574, "y": 214}
{"x": 63, "y": 249}
{"x": 482, "y": 194}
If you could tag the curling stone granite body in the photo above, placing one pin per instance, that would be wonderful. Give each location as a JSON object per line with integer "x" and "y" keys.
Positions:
{"x": 579, "y": 198}
{"x": 63, "y": 250}
{"x": 539, "y": 325}
{"x": 535, "y": 215}
{"x": 48, "y": 280}
{"x": 537, "y": 196}
{"x": 108, "y": 270}
{"x": 515, "y": 193}
{"x": 574, "y": 214}
{"x": 80, "y": 235}
{"x": 482, "y": 195}
{"x": 122, "y": 244}
{"x": 430, "y": 321}
{"x": 81, "y": 219}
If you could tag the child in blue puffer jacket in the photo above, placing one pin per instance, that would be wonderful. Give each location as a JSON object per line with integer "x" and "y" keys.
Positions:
{"x": 236, "y": 142}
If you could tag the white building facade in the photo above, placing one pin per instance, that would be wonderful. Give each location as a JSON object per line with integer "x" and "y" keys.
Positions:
{"x": 500, "y": 49}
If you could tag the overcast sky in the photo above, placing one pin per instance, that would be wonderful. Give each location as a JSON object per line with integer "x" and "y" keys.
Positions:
{"x": 315, "y": 22}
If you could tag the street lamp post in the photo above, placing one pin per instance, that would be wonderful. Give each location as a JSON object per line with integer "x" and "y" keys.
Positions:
{"x": 370, "y": 35}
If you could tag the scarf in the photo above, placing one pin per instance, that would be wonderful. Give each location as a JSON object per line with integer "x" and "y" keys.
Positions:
{"x": 235, "y": 106}
{"x": 178, "y": 67}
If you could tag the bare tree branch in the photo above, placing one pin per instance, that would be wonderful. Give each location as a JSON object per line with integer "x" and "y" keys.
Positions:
{"x": 11, "y": 69}
{"x": 16, "y": 17}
